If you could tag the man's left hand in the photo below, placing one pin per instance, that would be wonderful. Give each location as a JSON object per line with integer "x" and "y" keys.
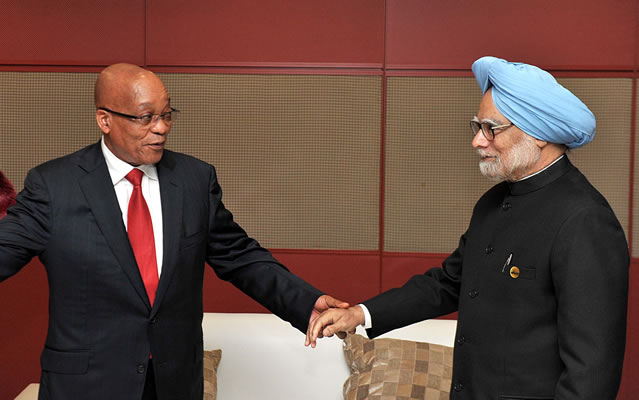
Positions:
{"x": 325, "y": 302}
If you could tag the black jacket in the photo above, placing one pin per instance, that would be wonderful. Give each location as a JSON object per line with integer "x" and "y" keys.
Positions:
{"x": 540, "y": 280}
{"x": 101, "y": 325}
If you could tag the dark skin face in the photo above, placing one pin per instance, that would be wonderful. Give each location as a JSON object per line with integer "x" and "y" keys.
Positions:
{"x": 132, "y": 90}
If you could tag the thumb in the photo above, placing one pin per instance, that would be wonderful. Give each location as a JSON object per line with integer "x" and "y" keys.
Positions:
{"x": 335, "y": 303}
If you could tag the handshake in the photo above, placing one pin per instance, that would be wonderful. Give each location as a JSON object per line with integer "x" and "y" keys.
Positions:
{"x": 332, "y": 317}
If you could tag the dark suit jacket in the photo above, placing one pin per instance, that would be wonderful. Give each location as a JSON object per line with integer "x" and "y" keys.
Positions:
{"x": 555, "y": 330}
{"x": 101, "y": 325}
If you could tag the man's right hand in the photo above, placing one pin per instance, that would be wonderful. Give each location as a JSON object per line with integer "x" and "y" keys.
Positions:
{"x": 334, "y": 321}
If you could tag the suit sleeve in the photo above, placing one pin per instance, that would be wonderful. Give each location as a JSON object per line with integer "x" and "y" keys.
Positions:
{"x": 24, "y": 232}
{"x": 432, "y": 294}
{"x": 239, "y": 259}
{"x": 589, "y": 264}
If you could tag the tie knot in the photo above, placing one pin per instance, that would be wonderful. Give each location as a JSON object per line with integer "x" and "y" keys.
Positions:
{"x": 135, "y": 176}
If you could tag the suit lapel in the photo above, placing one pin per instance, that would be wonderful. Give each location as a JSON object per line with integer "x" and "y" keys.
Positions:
{"x": 98, "y": 191}
{"x": 171, "y": 195}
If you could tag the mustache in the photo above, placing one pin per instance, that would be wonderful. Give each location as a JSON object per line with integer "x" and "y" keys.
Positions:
{"x": 482, "y": 153}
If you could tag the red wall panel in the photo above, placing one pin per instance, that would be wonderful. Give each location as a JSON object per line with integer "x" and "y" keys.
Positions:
{"x": 71, "y": 32}
{"x": 348, "y": 276}
{"x": 399, "y": 267}
{"x": 588, "y": 34}
{"x": 273, "y": 33}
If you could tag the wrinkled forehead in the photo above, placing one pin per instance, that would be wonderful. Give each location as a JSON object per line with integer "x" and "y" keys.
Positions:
{"x": 147, "y": 90}
{"x": 138, "y": 90}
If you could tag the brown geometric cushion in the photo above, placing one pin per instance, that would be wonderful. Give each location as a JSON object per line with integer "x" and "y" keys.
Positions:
{"x": 385, "y": 369}
{"x": 211, "y": 361}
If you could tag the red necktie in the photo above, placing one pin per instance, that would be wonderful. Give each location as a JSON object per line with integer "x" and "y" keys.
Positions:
{"x": 140, "y": 230}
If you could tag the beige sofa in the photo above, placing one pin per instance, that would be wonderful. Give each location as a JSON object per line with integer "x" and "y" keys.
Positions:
{"x": 264, "y": 358}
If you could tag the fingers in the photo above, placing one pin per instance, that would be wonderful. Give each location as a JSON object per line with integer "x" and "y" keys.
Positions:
{"x": 314, "y": 330}
{"x": 334, "y": 321}
{"x": 332, "y": 302}
{"x": 319, "y": 327}
{"x": 326, "y": 302}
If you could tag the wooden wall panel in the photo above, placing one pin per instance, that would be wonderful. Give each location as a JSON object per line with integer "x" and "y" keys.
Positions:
{"x": 297, "y": 155}
{"x": 71, "y": 32}
{"x": 432, "y": 178}
{"x": 589, "y": 34}
{"x": 273, "y": 33}
{"x": 44, "y": 115}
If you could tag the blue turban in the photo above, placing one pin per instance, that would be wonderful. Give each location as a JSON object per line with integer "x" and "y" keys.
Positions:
{"x": 535, "y": 102}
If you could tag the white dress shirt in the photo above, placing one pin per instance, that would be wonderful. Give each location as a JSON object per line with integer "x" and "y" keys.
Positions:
{"x": 118, "y": 170}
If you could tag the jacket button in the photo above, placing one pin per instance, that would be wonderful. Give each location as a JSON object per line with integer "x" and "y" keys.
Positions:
{"x": 473, "y": 293}
{"x": 506, "y": 206}
{"x": 461, "y": 340}
{"x": 153, "y": 321}
{"x": 489, "y": 249}
{"x": 458, "y": 387}
{"x": 141, "y": 369}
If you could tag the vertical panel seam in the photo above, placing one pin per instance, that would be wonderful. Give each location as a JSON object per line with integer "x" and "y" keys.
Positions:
{"x": 382, "y": 152}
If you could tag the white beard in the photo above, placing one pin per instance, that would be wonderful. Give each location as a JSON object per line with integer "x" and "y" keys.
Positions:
{"x": 513, "y": 164}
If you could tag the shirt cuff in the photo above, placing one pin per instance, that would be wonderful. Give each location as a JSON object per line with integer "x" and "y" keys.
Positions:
{"x": 368, "y": 323}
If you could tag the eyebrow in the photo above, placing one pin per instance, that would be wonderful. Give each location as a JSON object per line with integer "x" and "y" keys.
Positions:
{"x": 145, "y": 105}
{"x": 488, "y": 121}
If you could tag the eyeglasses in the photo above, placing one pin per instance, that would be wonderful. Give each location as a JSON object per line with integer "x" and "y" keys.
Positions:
{"x": 487, "y": 128}
{"x": 147, "y": 119}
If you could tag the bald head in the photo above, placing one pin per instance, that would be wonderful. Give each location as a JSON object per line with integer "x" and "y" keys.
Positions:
{"x": 118, "y": 83}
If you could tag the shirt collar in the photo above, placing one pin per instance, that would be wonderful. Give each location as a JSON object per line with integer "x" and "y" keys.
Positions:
{"x": 118, "y": 169}
{"x": 542, "y": 178}
{"x": 541, "y": 170}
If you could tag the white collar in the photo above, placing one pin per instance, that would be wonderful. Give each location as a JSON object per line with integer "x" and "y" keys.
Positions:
{"x": 118, "y": 169}
{"x": 543, "y": 169}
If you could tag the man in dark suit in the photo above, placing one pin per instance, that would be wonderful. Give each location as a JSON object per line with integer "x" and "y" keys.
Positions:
{"x": 540, "y": 278}
{"x": 124, "y": 229}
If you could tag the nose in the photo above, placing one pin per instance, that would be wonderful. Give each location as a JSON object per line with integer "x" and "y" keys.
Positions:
{"x": 160, "y": 127}
{"x": 480, "y": 141}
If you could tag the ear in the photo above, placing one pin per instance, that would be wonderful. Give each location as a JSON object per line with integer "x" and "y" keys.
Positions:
{"x": 104, "y": 121}
{"x": 540, "y": 143}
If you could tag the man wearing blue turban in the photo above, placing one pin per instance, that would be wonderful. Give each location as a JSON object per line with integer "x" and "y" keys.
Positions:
{"x": 540, "y": 278}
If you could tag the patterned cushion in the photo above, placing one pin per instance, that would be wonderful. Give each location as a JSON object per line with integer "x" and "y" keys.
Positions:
{"x": 211, "y": 361}
{"x": 385, "y": 369}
